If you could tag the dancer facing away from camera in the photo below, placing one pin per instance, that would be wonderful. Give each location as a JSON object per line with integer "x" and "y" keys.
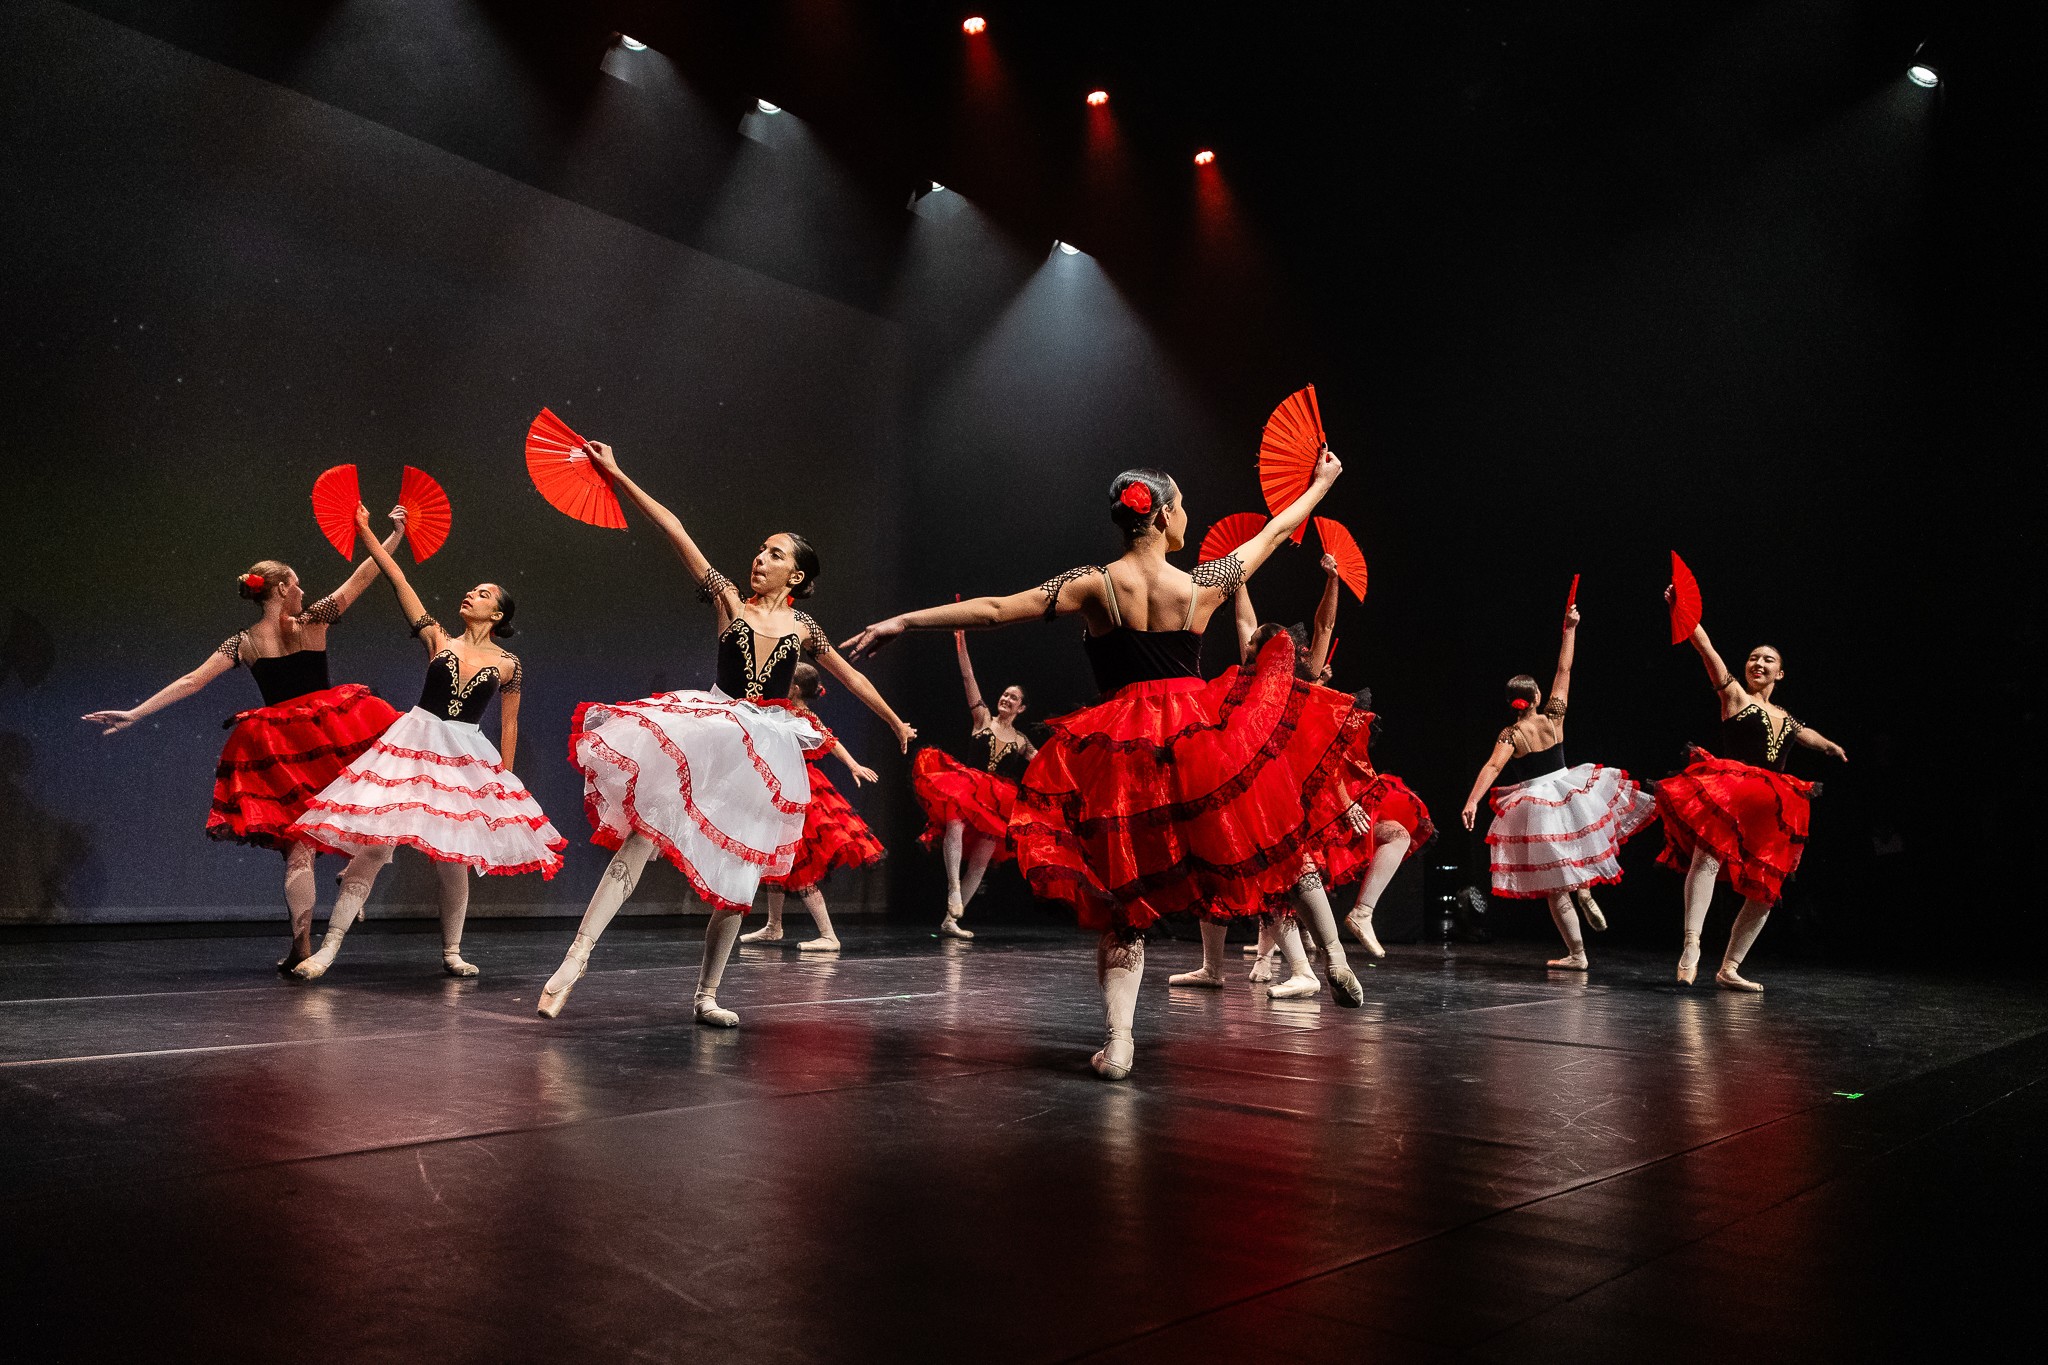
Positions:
{"x": 834, "y": 834}
{"x": 283, "y": 752}
{"x": 1172, "y": 794}
{"x": 715, "y": 779}
{"x": 967, "y": 807}
{"x": 432, "y": 781}
{"x": 1737, "y": 816}
{"x": 1557, "y": 831}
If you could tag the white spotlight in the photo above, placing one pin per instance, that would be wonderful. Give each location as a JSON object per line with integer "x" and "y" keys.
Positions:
{"x": 631, "y": 44}
{"x": 765, "y": 107}
{"x": 937, "y": 188}
{"x": 1068, "y": 248}
{"x": 1926, "y": 77}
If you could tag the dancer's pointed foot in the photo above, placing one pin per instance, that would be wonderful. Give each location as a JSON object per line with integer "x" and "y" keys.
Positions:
{"x": 1689, "y": 960}
{"x": 452, "y": 963}
{"x": 1296, "y": 987}
{"x": 1345, "y": 988}
{"x": 949, "y": 927}
{"x": 1590, "y": 908}
{"x": 556, "y": 993}
{"x": 1200, "y": 976}
{"x": 767, "y": 933}
{"x": 1262, "y": 971}
{"x": 821, "y": 944}
{"x": 707, "y": 1012}
{"x": 1572, "y": 962}
{"x": 1359, "y": 922}
{"x": 289, "y": 961}
{"x": 1115, "y": 1060}
{"x": 1733, "y": 980}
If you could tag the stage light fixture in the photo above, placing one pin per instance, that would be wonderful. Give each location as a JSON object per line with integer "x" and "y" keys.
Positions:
{"x": 1926, "y": 77}
{"x": 1097, "y": 98}
{"x": 974, "y": 26}
{"x": 631, "y": 44}
{"x": 765, "y": 107}
{"x": 1205, "y": 157}
{"x": 1067, "y": 248}
{"x": 937, "y": 188}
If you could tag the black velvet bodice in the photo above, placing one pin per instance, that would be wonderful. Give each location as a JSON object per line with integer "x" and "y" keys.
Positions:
{"x": 1124, "y": 656}
{"x": 1748, "y": 737}
{"x": 1536, "y": 763}
{"x": 445, "y": 694}
{"x": 740, "y": 679}
{"x": 1006, "y": 761}
{"x": 290, "y": 675}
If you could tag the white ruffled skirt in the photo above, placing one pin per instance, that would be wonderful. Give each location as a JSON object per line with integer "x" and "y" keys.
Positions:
{"x": 438, "y": 786}
{"x": 1565, "y": 829}
{"x": 718, "y": 785}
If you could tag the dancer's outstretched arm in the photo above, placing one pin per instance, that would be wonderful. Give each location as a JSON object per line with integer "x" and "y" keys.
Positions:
{"x": 1726, "y": 684}
{"x": 978, "y": 713}
{"x": 1260, "y": 547}
{"x": 860, "y": 771}
{"x": 835, "y": 663}
{"x": 725, "y": 597}
{"x": 432, "y": 635}
{"x": 1326, "y": 620}
{"x": 1808, "y": 738}
{"x": 1503, "y": 750}
{"x": 217, "y": 663}
{"x": 352, "y": 587}
{"x": 1561, "y": 681}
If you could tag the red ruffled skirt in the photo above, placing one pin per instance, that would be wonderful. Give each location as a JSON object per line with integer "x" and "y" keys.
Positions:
{"x": 1386, "y": 800}
{"x": 1752, "y": 819}
{"x": 278, "y": 758}
{"x": 834, "y": 836}
{"x": 950, "y": 790}
{"x": 1184, "y": 795}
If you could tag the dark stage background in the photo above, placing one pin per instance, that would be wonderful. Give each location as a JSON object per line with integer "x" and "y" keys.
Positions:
{"x": 1577, "y": 287}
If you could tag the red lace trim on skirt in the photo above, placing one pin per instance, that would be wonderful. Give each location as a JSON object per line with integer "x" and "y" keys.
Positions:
{"x": 834, "y": 836}
{"x": 950, "y": 790}
{"x": 1754, "y": 820}
{"x": 278, "y": 758}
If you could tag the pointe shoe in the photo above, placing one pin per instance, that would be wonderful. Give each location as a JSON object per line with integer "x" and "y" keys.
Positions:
{"x": 452, "y": 963}
{"x": 1345, "y": 988}
{"x": 949, "y": 927}
{"x": 1359, "y": 922}
{"x": 1200, "y": 976}
{"x": 1590, "y": 908}
{"x": 707, "y": 1012}
{"x": 1730, "y": 979}
{"x": 1688, "y": 959}
{"x": 767, "y": 933}
{"x": 552, "y": 999}
{"x": 289, "y": 961}
{"x": 1295, "y": 987}
{"x": 818, "y": 945}
{"x": 1574, "y": 962}
{"x": 1262, "y": 971}
{"x": 1114, "y": 1062}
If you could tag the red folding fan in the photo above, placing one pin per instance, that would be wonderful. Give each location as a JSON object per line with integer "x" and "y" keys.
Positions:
{"x": 427, "y": 514}
{"x": 1573, "y": 599}
{"x": 1339, "y": 544}
{"x": 336, "y": 496}
{"x": 1227, "y": 534}
{"x": 1288, "y": 451}
{"x": 563, "y": 473}
{"x": 1685, "y": 601}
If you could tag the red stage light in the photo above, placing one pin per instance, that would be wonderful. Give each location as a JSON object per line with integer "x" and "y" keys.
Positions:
{"x": 1205, "y": 157}
{"x": 1097, "y": 98}
{"x": 973, "y": 26}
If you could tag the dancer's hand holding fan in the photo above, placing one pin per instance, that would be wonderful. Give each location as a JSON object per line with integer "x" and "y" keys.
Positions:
{"x": 1341, "y": 546}
{"x": 561, "y": 466}
{"x": 1288, "y": 450}
{"x": 338, "y": 492}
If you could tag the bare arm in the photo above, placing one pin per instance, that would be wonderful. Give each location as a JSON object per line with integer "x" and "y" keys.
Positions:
{"x": 216, "y": 664}
{"x": 352, "y": 587}
{"x": 1503, "y": 750}
{"x": 1260, "y": 547}
{"x": 1062, "y": 595}
{"x": 725, "y": 597}
{"x": 835, "y": 663}
{"x": 508, "y": 724}
{"x": 1326, "y": 620}
{"x": 1724, "y": 682}
{"x": 1561, "y": 681}
{"x": 432, "y": 636}
{"x": 1808, "y": 738}
{"x": 1246, "y": 619}
{"x": 860, "y": 772}
{"x": 977, "y": 708}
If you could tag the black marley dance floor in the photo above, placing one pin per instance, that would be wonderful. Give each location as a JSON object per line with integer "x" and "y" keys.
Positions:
{"x": 902, "y": 1156}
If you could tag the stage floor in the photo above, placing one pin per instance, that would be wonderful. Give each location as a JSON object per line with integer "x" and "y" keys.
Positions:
{"x": 902, "y": 1156}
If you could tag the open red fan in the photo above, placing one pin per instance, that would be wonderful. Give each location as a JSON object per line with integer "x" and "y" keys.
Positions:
{"x": 565, "y": 476}
{"x": 1227, "y": 534}
{"x": 1288, "y": 451}
{"x": 1340, "y": 546}
{"x": 427, "y": 514}
{"x": 335, "y": 498}
{"x": 1685, "y": 601}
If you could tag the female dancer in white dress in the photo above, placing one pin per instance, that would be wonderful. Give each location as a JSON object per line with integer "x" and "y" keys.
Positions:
{"x": 715, "y": 779}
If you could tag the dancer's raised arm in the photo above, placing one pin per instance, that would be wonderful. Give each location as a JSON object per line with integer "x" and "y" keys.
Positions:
{"x": 1725, "y": 683}
{"x": 1561, "y": 681}
{"x": 1326, "y": 621}
{"x": 415, "y": 611}
{"x": 978, "y": 712}
{"x": 724, "y": 596}
{"x": 323, "y": 612}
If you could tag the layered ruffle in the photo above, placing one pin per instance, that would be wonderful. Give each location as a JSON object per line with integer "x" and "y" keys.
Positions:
{"x": 1385, "y": 800}
{"x": 950, "y": 790}
{"x": 834, "y": 836}
{"x": 1752, "y": 819}
{"x": 278, "y": 758}
{"x": 1565, "y": 829}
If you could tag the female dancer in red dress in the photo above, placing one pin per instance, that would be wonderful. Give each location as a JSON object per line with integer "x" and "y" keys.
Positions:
{"x": 432, "y": 781}
{"x": 1738, "y": 817}
{"x": 716, "y": 778}
{"x": 1172, "y": 794}
{"x": 970, "y": 806}
{"x": 1557, "y": 831}
{"x": 834, "y": 834}
{"x": 298, "y": 741}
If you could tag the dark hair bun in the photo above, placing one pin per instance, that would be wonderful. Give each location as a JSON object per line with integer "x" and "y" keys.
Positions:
{"x": 502, "y": 628}
{"x": 1133, "y": 510}
{"x": 249, "y": 591}
{"x": 806, "y": 562}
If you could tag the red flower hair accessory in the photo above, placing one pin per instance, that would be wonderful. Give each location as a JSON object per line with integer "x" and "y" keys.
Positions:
{"x": 253, "y": 582}
{"x": 1138, "y": 498}
{"x": 1520, "y": 703}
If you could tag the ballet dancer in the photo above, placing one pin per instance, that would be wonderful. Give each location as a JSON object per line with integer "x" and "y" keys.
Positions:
{"x": 1172, "y": 794}
{"x": 1557, "y": 831}
{"x": 278, "y": 755}
{"x": 432, "y": 781}
{"x": 715, "y": 779}
{"x": 1737, "y": 817}
{"x": 834, "y": 834}
{"x": 967, "y": 808}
